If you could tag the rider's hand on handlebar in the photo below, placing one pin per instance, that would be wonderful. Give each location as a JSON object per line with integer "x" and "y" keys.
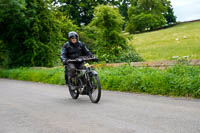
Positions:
{"x": 91, "y": 56}
{"x": 64, "y": 62}
{"x": 79, "y": 59}
{"x": 68, "y": 61}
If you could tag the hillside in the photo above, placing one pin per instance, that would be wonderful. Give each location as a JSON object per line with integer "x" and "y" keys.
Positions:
{"x": 180, "y": 40}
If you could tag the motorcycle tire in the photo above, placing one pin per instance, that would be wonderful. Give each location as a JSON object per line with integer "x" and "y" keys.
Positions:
{"x": 74, "y": 93}
{"x": 95, "y": 89}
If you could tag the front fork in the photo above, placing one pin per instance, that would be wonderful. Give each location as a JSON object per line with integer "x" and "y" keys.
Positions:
{"x": 89, "y": 78}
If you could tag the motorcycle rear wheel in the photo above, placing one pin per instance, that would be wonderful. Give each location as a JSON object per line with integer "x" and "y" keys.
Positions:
{"x": 73, "y": 92}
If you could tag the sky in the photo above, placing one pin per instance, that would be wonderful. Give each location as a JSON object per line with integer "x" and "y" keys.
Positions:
{"x": 186, "y": 10}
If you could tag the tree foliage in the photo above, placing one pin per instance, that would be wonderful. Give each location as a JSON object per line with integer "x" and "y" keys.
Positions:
{"x": 32, "y": 32}
{"x": 3, "y": 54}
{"x": 81, "y": 11}
{"x": 110, "y": 46}
{"x": 148, "y": 15}
{"x": 169, "y": 15}
{"x": 123, "y": 8}
{"x": 108, "y": 21}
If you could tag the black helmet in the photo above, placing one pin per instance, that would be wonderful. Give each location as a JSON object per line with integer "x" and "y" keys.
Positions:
{"x": 72, "y": 34}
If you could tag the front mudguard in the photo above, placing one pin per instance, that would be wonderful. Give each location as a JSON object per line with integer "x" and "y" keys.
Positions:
{"x": 93, "y": 73}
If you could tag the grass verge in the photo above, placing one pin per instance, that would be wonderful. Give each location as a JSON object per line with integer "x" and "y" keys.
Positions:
{"x": 174, "y": 81}
{"x": 43, "y": 75}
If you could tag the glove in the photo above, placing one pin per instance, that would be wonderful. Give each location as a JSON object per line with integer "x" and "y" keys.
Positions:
{"x": 91, "y": 56}
{"x": 64, "y": 62}
{"x": 79, "y": 59}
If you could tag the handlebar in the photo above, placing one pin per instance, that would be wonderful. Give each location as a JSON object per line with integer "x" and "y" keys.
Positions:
{"x": 82, "y": 58}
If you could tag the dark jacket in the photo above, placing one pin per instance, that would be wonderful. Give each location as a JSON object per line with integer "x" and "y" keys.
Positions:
{"x": 72, "y": 51}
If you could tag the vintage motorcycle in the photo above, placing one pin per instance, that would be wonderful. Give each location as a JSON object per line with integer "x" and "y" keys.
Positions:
{"x": 85, "y": 81}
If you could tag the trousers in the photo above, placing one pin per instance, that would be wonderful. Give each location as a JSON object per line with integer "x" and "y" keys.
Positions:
{"x": 70, "y": 70}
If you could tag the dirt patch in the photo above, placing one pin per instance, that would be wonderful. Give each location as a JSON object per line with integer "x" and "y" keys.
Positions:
{"x": 158, "y": 64}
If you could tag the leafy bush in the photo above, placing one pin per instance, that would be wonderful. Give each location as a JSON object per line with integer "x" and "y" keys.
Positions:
{"x": 127, "y": 55}
{"x": 88, "y": 35}
{"x": 108, "y": 21}
{"x": 110, "y": 45}
{"x": 3, "y": 54}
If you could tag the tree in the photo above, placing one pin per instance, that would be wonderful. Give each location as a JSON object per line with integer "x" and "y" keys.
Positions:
{"x": 169, "y": 15}
{"x": 108, "y": 21}
{"x": 32, "y": 32}
{"x": 123, "y": 8}
{"x": 110, "y": 45}
{"x": 11, "y": 26}
{"x": 147, "y": 15}
{"x": 81, "y": 11}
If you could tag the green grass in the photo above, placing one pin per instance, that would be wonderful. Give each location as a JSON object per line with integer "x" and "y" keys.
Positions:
{"x": 162, "y": 44}
{"x": 174, "y": 81}
{"x": 44, "y": 75}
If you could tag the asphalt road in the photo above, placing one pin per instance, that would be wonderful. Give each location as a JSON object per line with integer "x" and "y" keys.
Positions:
{"x": 27, "y": 107}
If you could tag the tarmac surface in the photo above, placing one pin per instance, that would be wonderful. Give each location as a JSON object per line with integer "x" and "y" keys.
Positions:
{"x": 28, "y": 107}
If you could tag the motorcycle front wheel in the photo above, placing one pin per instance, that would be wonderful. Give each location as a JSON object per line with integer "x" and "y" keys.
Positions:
{"x": 95, "y": 89}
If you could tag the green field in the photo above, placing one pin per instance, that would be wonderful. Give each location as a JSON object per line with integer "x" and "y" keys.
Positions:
{"x": 180, "y": 40}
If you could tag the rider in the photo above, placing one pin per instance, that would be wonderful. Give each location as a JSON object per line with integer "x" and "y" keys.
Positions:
{"x": 71, "y": 50}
